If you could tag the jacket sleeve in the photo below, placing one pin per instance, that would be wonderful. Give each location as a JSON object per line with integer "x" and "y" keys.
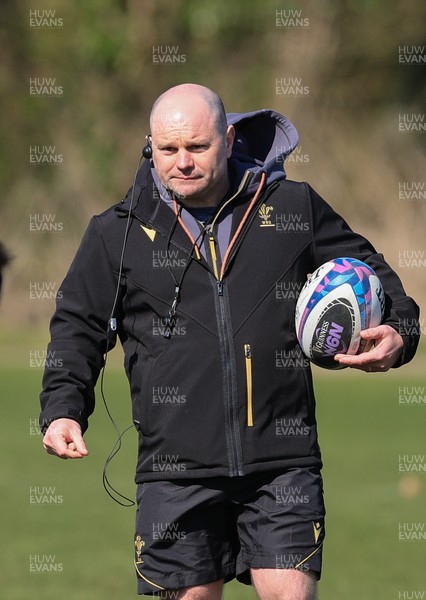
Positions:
{"x": 332, "y": 237}
{"x": 78, "y": 331}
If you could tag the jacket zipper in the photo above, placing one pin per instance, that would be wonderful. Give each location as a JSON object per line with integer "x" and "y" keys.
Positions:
{"x": 249, "y": 380}
{"x": 223, "y": 313}
{"x": 230, "y": 396}
{"x": 228, "y": 362}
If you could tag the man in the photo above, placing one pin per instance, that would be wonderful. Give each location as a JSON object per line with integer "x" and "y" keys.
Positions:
{"x": 193, "y": 299}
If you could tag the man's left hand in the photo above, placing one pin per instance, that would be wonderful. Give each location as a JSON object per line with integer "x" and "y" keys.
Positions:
{"x": 386, "y": 350}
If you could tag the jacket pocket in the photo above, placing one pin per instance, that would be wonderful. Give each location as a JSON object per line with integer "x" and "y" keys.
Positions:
{"x": 249, "y": 384}
{"x": 144, "y": 402}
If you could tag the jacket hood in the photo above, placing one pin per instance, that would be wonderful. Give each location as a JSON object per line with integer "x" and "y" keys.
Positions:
{"x": 263, "y": 140}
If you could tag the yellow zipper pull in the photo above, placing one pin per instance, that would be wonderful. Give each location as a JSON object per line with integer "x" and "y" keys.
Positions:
{"x": 212, "y": 243}
{"x": 249, "y": 379}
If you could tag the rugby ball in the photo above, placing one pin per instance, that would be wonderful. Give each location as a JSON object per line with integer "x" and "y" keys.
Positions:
{"x": 340, "y": 299}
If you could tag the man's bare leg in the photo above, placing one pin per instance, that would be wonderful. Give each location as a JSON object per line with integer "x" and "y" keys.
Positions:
{"x": 284, "y": 584}
{"x": 209, "y": 591}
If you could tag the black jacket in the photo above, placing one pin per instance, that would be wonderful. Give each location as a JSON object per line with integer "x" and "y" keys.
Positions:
{"x": 220, "y": 387}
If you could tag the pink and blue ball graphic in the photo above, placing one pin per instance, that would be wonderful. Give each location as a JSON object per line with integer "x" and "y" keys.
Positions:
{"x": 342, "y": 298}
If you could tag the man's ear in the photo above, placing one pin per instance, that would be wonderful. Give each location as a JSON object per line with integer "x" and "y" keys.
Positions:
{"x": 230, "y": 136}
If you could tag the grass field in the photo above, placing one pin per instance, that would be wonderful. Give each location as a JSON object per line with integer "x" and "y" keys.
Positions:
{"x": 89, "y": 539}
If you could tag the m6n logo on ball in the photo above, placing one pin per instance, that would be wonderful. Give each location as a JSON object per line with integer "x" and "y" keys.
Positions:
{"x": 339, "y": 300}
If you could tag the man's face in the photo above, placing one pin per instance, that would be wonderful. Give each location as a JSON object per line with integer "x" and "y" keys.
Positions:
{"x": 189, "y": 154}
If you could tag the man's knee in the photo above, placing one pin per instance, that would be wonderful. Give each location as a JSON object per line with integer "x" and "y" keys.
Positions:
{"x": 209, "y": 591}
{"x": 284, "y": 584}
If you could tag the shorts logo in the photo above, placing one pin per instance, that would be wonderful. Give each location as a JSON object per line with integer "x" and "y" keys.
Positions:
{"x": 264, "y": 214}
{"x": 139, "y": 544}
{"x": 149, "y": 232}
{"x": 317, "y": 530}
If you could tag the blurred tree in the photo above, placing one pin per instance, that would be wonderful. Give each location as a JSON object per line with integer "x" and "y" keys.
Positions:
{"x": 102, "y": 58}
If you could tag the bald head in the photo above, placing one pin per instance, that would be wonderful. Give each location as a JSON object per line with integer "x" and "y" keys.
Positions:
{"x": 188, "y": 94}
{"x": 191, "y": 144}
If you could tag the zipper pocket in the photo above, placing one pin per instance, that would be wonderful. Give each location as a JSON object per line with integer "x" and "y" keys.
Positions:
{"x": 249, "y": 381}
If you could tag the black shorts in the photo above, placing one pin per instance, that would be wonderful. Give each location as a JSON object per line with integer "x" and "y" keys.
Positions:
{"x": 196, "y": 531}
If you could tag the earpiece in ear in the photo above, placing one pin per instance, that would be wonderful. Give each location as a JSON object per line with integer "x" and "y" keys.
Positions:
{"x": 147, "y": 150}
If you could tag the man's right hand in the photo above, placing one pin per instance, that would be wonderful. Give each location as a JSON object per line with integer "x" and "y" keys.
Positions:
{"x": 63, "y": 439}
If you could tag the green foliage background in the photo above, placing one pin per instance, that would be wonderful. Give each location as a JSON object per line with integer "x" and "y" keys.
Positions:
{"x": 102, "y": 57}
